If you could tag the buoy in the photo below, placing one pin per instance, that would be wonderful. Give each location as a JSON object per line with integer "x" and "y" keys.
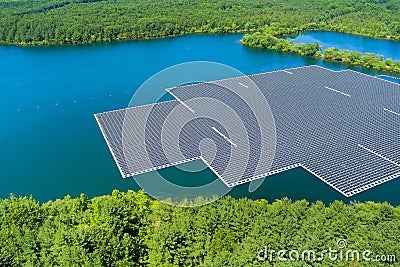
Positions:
{"x": 18, "y": 110}
{"x": 56, "y": 104}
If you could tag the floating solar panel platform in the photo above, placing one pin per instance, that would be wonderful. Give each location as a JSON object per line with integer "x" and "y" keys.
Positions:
{"x": 341, "y": 126}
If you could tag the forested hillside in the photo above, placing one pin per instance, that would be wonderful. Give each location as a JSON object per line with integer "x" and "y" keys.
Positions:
{"x": 88, "y": 21}
{"x": 130, "y": 229}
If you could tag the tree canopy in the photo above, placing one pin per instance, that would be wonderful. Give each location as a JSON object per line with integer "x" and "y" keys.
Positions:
{"x": 366, "y": 60}
{"x": 130, "y": 229}
{"x": 87, "y": 21}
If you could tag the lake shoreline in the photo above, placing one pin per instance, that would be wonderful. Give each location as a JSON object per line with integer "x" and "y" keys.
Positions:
{"x": 57, "y": 91}
{"x": 124, "y": 39}
{"x": 313, "y": 48}
{"x": 191, "y": 33}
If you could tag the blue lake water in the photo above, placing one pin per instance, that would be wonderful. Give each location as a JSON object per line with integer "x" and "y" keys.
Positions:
{"x": 388, "y": 48}
{"x": 51, "y": 145}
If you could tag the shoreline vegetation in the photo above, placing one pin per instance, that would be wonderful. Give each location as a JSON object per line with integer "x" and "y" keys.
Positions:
{"x": 60, "y": 22}
{"x": 130, "y": 229}
{"x": 366, "y": 60}
{"x": 47, "y": 22}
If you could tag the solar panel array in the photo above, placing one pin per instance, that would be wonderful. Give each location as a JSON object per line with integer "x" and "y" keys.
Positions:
{"x": 342, "y": 126}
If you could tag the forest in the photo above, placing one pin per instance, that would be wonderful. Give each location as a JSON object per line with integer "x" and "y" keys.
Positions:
{"x": 366, "y": 60}
{"x": 130, "y": 229}
{"x": 57, "y": 22}
{"x": 42, "y": 22}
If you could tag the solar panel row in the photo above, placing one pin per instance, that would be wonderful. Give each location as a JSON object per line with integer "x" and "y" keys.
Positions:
{"x": 342, "y": 126}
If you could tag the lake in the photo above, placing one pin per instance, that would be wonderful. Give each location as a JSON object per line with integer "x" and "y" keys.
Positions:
{"x": 51, "y": 145}
{"x": 390, "y": 49}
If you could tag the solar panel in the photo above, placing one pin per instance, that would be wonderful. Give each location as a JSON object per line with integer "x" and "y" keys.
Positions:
{"x": 341, "y": 126}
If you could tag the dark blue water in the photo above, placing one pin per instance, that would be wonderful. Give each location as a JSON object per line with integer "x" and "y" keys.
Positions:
{"x": 388, "y": 48}
{"x": 51, "y": 145}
